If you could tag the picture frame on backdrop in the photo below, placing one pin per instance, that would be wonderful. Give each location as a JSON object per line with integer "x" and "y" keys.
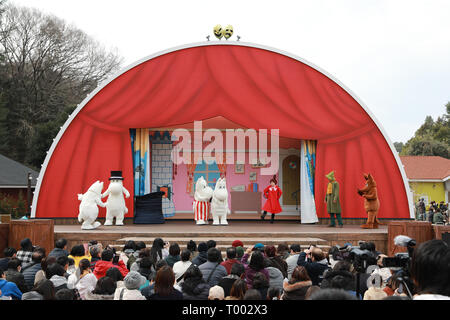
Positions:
{"x": 239, "y": 168}
{"x": 252, "y": 176}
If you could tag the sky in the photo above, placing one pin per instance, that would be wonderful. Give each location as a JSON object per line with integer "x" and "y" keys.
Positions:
{"x": 394, "y": 55}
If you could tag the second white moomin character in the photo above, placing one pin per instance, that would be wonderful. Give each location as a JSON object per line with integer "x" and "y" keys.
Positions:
{"x": 115, "y": 205}
{"x": 219, "y": 203}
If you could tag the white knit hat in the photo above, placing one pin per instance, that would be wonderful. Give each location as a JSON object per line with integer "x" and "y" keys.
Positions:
{"x": 216, "y": 293}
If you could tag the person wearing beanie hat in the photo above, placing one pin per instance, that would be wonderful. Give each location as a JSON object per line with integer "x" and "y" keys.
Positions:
{"x": 239, "y": 252}
{"x": 133, "y": 281}
{"x": 258, "y": 246}
{"x": 272, "y": 193}
{"x": 237, "y": 243}
{"x": 202, "y": 256}
{"x": 374, "y": 293}
{"x": 216, "y": 293}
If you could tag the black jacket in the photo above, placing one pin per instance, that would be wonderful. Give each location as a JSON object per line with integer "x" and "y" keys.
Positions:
{"x": 18, "y": 278}
{"x": 315, "y": 269}
{"x": 201, "y": 258}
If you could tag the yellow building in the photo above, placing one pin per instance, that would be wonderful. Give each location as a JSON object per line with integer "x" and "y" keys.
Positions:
{"x": 429, "y": 177}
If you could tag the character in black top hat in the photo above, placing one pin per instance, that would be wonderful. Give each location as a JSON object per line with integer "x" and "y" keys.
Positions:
{"x": 115, "y": 205}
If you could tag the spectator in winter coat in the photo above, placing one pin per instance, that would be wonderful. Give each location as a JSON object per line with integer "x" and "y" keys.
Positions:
{"x": 150, "y": 289}
{"x": 104, "y": 290}
{"x": 164, "y": 289}
{"x": 256, "y": 265}
{"x": 429, "y": 270}
{"x": 202, "y": 256}
{"x": 78, "y": 253}
{"x": 260, "y": 283}
{"x": 13, "y": 274}
{"x": 174, "y": 254}
{"x": 314, "y": 262}
{"x": 159, "y": 250}
{"x": 107, "y": 262}
{"x": 291, "y": 261}
{"x": 55, "y": 273}
{"x": 237, "y": 272}
{"x": 276, "y": 278}
{"x": 41, "y": 274}
{"x": 25, "y": 252}
{"x": 8, "y": 253}
{"x": 180, "y": 267}
{"x": 132, "y": 281}
{"x": 192, "y": 247}
{"x": 29, "y": 271}
{"x": 60, "y": 249}
{"x": 238, "y": 290}
{"x": 145, "y": 267}
{"x": 231, "y": 259}
{"x": 95, "y": 252}
{"x": 83, "y": 279}
{"x": 297, "y": 287}
{"x": 212, "y": 270}
{"x": 275, "y": 260}
{"x": 9, "y": 289}
{"x": 283, "y": 250}
{"x": 194, "y": 287}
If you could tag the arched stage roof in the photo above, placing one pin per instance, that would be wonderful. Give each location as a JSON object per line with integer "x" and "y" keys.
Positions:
{"x": 252, "y": 85}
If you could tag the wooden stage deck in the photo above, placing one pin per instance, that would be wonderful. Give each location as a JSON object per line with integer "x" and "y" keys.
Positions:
{"x": 250, "y": 232}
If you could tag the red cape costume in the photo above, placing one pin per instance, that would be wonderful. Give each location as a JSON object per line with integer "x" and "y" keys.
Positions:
{"x": 272, "y": 204}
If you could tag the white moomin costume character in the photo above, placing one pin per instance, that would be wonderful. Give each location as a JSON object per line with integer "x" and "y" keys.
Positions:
{"x": 88, "y": 207}
{"x": 201, "y": 204}
{"x": 115, "y": 205}
{"x": 219, "y": 203}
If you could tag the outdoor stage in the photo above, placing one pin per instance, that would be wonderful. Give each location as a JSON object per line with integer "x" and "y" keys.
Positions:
{"x": 249, "y": 232}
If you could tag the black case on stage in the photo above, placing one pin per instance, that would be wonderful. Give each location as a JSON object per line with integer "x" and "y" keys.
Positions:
{"x": 148, "y": 209}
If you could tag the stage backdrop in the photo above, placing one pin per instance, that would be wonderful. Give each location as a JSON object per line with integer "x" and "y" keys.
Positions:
{"x": 251, "y": 85}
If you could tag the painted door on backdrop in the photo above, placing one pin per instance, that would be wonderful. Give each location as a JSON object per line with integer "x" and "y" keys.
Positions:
{"x": 291, "y": 180}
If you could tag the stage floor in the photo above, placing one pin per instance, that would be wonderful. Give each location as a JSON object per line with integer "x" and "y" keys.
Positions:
{"x": 250, "y": 232}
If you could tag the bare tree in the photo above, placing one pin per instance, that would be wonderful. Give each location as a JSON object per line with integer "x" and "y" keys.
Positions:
{"x": 48, "y": 66}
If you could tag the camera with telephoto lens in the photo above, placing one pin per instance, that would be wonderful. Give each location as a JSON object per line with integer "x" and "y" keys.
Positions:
{"x": 400, "y": 263}
{"x": 360, "y": 256}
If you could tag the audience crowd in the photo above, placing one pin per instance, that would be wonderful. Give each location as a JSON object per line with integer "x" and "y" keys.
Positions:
{"x": 199, "y": 272}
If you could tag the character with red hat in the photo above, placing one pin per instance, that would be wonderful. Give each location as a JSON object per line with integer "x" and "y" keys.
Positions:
{"x": 272, "y": 193}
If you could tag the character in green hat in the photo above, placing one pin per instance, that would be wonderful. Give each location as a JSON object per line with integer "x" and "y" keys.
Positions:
{"x": 332, "y": 200}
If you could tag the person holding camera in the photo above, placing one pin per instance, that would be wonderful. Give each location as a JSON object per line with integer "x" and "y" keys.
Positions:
{"x": 315, "y": 262}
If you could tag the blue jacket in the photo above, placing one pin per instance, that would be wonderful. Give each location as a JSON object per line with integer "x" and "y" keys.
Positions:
{"x": 57, "y": 252}
{"x": 10, "y": 289}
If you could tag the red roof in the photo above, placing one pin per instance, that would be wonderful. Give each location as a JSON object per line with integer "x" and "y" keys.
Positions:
{"x": 426, "y": 167}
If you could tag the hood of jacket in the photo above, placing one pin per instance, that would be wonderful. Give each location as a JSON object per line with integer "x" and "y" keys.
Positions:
{"x": 349, "y": 279}
{"x": 93, "y": 296}
{"x": 301, "y": 285}
{"x": 58, "y": 280}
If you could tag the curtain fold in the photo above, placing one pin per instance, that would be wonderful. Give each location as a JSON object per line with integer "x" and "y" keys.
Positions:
{"x": 140, "y": 140}
{"x": 307, "y": 175}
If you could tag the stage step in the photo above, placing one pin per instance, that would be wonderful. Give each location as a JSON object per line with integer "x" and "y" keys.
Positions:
{"x": 224, "y": 242}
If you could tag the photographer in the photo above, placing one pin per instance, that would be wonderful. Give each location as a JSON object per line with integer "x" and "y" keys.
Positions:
{"x": 430, "y": 271}
{"x": 315, "y": 262}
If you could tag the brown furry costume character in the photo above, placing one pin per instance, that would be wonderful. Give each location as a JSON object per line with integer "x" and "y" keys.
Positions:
{"x": 371, "y": 202}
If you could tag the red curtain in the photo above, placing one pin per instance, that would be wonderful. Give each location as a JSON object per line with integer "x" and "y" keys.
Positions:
{"x": 252, "y": 87}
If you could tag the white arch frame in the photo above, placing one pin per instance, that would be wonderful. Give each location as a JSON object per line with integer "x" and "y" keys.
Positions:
{"x": 212, "y": 43}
